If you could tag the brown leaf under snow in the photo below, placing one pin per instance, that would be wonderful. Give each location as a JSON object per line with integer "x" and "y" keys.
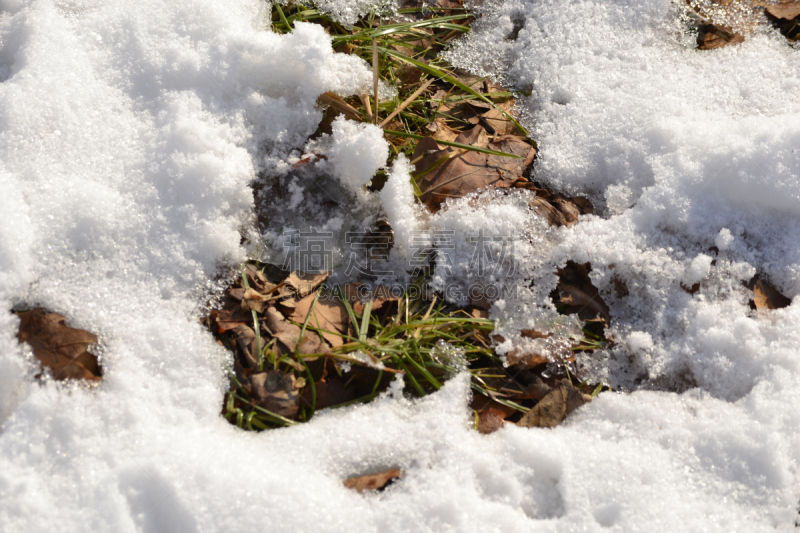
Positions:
{"x": 525, "y": 359}
{"x": 61, "y": 348}
{"x": 460, "y": 172}
{"x": 377, "y": 481}
{"x": 765, "y": 296}
{"x": 490, "y": 420}
{"x": 276, "y": 392}
{"x": 554, "y": 407}
{"x": 712, "y": 36}
{"x": 556, "y": 209}
{"x": 578, "y": 294}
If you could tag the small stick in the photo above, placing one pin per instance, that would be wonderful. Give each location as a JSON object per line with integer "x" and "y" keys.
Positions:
{"x": 367, "y": 105}
{"x": 407, "y": 102}
{"x": 375, "y": 77}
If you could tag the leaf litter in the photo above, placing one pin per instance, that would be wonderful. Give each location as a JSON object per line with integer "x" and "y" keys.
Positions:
{"x": 300, "y": 347}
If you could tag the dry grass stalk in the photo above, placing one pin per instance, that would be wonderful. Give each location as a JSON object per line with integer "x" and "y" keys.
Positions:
{"x": 375, "y": 77}
{"x": 408, "y": 101}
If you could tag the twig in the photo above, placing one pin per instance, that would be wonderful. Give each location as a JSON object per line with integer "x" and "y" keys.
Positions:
{"x": 407, "y": 102}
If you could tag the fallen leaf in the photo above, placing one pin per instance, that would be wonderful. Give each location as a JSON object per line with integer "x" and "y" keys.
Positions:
{"x": 289, "y": 334}
{"x": 328, "y": 314}
{"x": 246, "y": 339}
{"x": 554, "y": 407}
{"x": 712, "y": 36}
{"x": 276, "y": 392}
{"x": 490, "y": 420}
{"x": 525, "y": 359}
{"x": 228, "y": 319}
{"x": 377, "y": 481}
{"x": 304, "y": 284}
{"x": 577, "y": 293}
{"x": 786, "y": 11}
{"x": 382, "y": 295}
{"x": 332, "y": 391}
{"x": 441, "y": 131}
{"x": 556, "y": 209}
{"x": 479, "y": 313}
{"x": 255, "y": 276}
{"x": 61, "y": 348}
{"x": 537, "y": 389}
{"x": 765, "y": 296}
{"x": 481, "y": 402}
{"x": 454, "y": 173}
{"x": 253, "y": 300}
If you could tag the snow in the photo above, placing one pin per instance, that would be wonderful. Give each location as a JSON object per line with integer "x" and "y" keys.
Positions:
{"x": 129, "y": 133}
{"x": 354, "y": 152}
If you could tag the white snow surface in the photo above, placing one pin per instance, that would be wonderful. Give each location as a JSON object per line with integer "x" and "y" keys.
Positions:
{"x": 129, "y": 132}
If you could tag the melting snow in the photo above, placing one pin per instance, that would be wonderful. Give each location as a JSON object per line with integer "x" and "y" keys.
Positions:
{"x": 129, "y": 134}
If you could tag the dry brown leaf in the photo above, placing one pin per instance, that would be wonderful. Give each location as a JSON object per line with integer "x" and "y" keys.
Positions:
{"x": 537, "y": 389}
{"x": 304, "y": 284}
{"x": 382, "y": 295}
{"x": 490, "y": 420}
{"x": 377, "y": 481}
{"x": 329, "y": 315}
{"x": 441, "y": 131}
{"x": 712, "y": 36}
{"x": 332, "y": 391}
{"x": 289, "y": 335}
{"x": 61, "y": 348}
{"x": 525, "y": 359}
{"x": 255, "y": 276}
{"x": 578, "y": 294}
{"x": 467, "y": 171}
{"x": 765, "y": 296}
{"x": 786, "y": 11}
{"x": 276, "y": 391}
{"x": 246, "y": 339}
{"x": 479, "y": 313}
{"x": 554, "y": 407}
{"x": 228, "y": 319}
{"x": 253, "y": 300}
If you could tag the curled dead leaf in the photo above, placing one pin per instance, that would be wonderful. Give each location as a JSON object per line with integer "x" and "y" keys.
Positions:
{"x": 712, "y": 36}
{"x": 577, "y": 293}
{"x": 253, "y": 300}
{"x": 246, "y": 340}
{"x": 451, "y": 173}
{"x": 61, "y": 348}
{"x": 554, "y": 407}
{"x": 786, "y": 11}
{"x": 765, "y": 296}
{"x": 276, "y": 392}
{"x": 303, "y": 284}
{"x": 490, "y": 420}
{"x": 377, "y": 481}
